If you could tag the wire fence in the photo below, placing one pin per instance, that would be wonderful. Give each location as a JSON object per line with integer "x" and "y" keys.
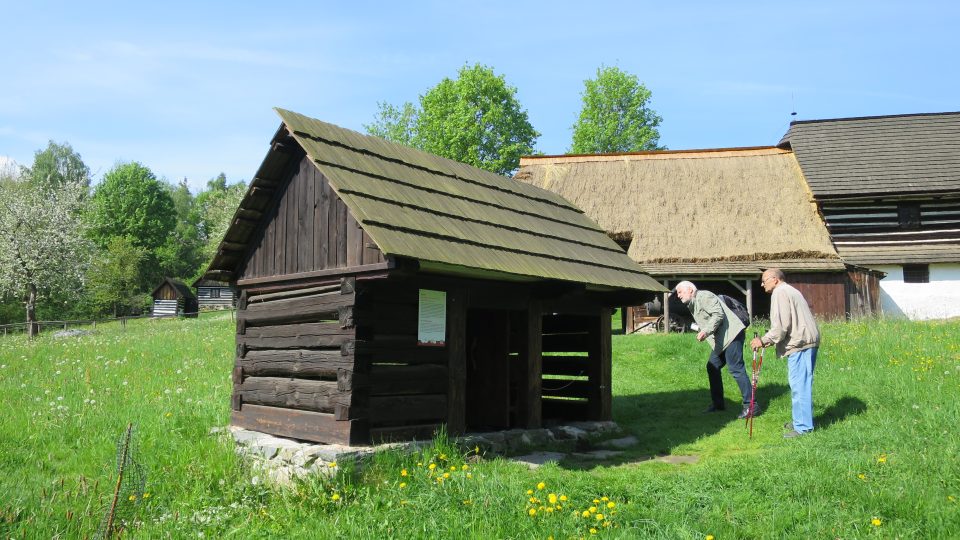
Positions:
{"x": 15, "y": 328}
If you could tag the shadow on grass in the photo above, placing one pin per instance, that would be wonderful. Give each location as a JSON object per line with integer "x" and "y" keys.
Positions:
{"x": 839, "y": 411}
{"x": 665, "y": 420}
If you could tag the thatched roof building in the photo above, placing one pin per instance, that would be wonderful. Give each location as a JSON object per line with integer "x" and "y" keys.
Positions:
{"x": 723, "y": 214}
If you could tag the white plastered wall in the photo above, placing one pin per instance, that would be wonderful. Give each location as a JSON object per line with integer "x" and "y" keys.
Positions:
{"x": 938, "y": 299}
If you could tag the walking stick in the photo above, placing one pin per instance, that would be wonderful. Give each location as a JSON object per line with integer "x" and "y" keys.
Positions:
{"x": 753, "y": 395}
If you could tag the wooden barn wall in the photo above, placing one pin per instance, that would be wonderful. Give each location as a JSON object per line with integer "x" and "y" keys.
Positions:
{"x": 576, "y": 366}
{"x": 166, "y": 292}
{"x": 863, "y": 293}
{"x": 826, "y": 293}
{"x": 307, "y": 228}
{"x": 294, "y": 369}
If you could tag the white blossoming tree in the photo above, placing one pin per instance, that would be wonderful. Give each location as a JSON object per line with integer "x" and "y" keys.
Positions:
{"x": 43, "y": 248}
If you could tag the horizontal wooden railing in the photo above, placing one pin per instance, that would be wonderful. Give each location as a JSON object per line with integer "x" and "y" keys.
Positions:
{"x": 13, "y": 328}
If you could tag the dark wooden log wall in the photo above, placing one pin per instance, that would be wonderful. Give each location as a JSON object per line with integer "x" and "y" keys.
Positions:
{"x": 295, "y": 368}
{"x": 892, "y": 221}
{"x": 863, "y": 293}
{"x": 405, "y": 391}
{"x": 307, "y": 228}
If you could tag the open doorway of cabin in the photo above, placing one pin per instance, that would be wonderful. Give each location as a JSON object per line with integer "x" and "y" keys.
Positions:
{"x": 494, "y": 372}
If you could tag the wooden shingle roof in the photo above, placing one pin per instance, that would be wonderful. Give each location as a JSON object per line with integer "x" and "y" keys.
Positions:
{"x": 447, "y": 214}
{"x": 878, "y": 156}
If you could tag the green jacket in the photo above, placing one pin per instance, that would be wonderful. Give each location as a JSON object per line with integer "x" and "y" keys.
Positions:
{"x": 716, "y": 319}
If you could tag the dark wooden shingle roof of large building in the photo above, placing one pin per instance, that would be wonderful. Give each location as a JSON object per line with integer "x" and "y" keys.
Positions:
{"x": 878, "y": 156}
{"x": 448, "y": 215}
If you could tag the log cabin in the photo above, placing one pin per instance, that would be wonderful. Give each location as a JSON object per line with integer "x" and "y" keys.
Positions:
{"x": 384, "y": 292}
{"x": 888, "y": 188}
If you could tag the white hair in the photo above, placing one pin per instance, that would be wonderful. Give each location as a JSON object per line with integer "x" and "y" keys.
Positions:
{"x": 686, "y": 285}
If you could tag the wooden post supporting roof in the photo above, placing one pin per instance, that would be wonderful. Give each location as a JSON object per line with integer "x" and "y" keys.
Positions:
{"x": 457, "y": 362}
{"x": 532, "y": 353}
{"x": 666, "y": 307}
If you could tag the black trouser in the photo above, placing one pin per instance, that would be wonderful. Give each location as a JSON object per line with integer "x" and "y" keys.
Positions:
{"x": 732, "y": 357}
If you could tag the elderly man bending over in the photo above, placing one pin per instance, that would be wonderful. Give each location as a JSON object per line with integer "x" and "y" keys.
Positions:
{"x": 722, "y": 329}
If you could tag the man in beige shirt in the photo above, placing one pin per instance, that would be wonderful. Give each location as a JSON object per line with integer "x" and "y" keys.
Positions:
{"x": 794, "y": 331}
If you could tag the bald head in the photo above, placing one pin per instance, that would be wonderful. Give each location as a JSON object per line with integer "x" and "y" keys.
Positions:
{"x": 771, "y": 278}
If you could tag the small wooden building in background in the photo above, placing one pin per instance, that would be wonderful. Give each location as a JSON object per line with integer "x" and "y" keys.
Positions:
{"x": 173, "y": 297}
{"x": 384, "y": 291}
{"x": 213, "y": 294}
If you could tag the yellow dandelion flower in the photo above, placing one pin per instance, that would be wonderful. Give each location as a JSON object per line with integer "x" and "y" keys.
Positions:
{"x": 469, "y": 475}
{"x": 419, "y": 464}
{"x": 552, "y": 498}
{"x": 599, "y": 517}
{"x": 453, "y": 468}
{"x": 432, "y": 466}
{"x": 133, "y": 497}
{"x": 403, "y": 472}
{"x": 596, "y": 501}
{"x": 446, "y": 475}
{"x": 604, "y": 499}
{"x": 439, "y": 479}
{"x": 403, "y": 485}
{"x": 146, "y": 495}
{"x": 875, "y": 522}
{"x": 464, "y": 467}
{"x": 532, "y": 512}
{"x": 467, "y": 501}
{"x": 168, "y": 415}
{"x": 563, "y": 498}
{"x": 585, "y": 513}
{"x": 335, "y": 497}
{"x": 709, "y": 537}
{"x": 529, "y": 492}
{"x": 443, "y": 457}
{"x": 532, "y": 500}
{"x": 862, "y": 476}
{"x": 611, "y": 504}
{"x": 882, "y": 458}
{"x": 549, "y": 509}
{"x": 592, "y": 509}
{"x": 541, "y": 485}
{"x": 593, "y": 531}
{"x": 476, "y": 449}
{"x": 332, "y": 465}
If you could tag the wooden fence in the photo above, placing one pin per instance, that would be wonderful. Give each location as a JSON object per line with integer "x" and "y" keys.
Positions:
{"x": 13, "y": 328}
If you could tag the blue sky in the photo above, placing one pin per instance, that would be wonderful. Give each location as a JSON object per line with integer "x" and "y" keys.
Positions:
{"x": 187, "y": 88}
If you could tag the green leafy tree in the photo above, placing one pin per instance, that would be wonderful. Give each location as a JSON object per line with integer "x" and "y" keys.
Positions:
{"x": 215, "y": 208}
{"x": 397, "y": 124}
{"x": 182, "y": 254}
{"x": 616, "y": 116}
{"x": 114, "y": 277}
{"x": 475, "y": 119}
{"x": 57, "y": 165}
{"x": 131, "y": 202}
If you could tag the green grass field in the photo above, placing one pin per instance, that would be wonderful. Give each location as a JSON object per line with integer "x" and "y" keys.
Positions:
{"x": 882, "y": 463}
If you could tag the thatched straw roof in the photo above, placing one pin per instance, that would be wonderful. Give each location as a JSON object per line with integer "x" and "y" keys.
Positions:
{"x": 712, "y": 210}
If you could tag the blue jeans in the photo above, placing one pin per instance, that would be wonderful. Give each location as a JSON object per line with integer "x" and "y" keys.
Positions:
{"x": 800, "y": 375}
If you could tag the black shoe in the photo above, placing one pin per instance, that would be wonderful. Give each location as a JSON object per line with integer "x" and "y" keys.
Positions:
{"x": 713, "y": 408}
{"x": 746, "y": 412}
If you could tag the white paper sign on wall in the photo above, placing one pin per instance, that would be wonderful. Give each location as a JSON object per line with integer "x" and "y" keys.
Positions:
{"x": 432, "y": 318}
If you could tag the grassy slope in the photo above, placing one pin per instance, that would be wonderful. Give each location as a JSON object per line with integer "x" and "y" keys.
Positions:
{"x": 886, "y": 398}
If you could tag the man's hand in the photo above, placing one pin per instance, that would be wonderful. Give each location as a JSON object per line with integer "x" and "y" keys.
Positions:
{"x": 756, "y": 344}
{"x": 701, "y": 336}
